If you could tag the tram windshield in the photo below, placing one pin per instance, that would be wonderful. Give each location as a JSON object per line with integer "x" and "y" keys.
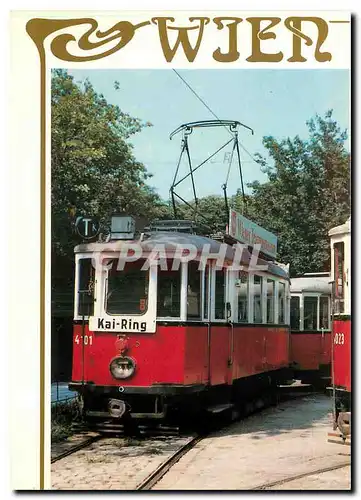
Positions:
{"x": 127, "y": 291}
{"x": 295, "y": 313}
{"x": 310, "y": 312}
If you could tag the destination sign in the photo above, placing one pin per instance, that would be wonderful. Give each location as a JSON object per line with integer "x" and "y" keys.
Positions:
{"x": 250, "y": 233}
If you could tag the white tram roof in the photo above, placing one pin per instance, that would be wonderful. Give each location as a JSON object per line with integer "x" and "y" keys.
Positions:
{"x": 342, "y": 229}
{"x": 316, "y": 284}
{"x": 172, "y": 240}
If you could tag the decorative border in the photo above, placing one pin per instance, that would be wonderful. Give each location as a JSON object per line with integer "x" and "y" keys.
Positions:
{"x": 39, "y": 29}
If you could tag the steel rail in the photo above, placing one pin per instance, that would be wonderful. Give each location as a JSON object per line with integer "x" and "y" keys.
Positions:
{"x": 80, "y": 446}
{"x": 163, "y": 468}
{"x": 302, "y": 475}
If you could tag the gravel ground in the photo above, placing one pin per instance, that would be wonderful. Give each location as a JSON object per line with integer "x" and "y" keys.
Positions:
{"x": 273, "y": 445}
{"x": 113, "y": 463}
{"x": 279, "y": 442}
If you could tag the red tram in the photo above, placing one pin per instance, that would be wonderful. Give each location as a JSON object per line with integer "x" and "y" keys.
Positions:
{"x": 310, "y": 322}
{"x": 164, "y": 321}
{"x": 341, "y": 328}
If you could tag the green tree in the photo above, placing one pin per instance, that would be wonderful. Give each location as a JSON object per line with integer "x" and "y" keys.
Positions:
{"x": 211, "y": 210}
{"x": 93, "y": 168}
{"x": 307, "y": 193}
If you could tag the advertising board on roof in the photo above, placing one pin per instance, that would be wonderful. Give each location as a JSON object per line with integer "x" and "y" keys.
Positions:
{"x": 250, "y": 233}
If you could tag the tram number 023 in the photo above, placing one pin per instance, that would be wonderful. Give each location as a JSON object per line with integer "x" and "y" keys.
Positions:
{"x": 339, "y": 339}
{"x": 88, "y": 339}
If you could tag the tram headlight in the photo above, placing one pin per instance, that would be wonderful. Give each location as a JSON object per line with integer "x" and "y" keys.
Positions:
{"x": 122, "y": 367}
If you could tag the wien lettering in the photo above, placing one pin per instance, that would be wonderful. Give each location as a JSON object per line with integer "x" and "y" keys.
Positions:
{"x": 230, "y": 28}
{"x": 124, "y": 324}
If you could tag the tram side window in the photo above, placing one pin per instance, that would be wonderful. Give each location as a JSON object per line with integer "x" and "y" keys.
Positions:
{"x": 168, "y": 293}
{"x": 281, "y": 302}
{"x": 194, "y": 291}
{"x": 257, "y": 299}
{"x": 206, "y": 292}
{"x": 339, "y": 258}
{"x": 243, "y": 297}
{"x": 324, "y": 313}
{"x": 270, "y": 301}
{"x": 86, "y": 287}
{"x": 310, "y": 313}
{"x": 127, "y": 289}
{"x": 220, "y": 295}
{"x": 295, "y": 313}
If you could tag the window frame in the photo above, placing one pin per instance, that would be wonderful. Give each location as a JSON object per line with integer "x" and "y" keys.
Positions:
{"x": 285, "y": 311}
{"x": 114, "y": 315}
{"x": 273, "y": 280}
{"x": 181, "y": 295}
{"x": 78, "y": 258}
{"x": 262, "y": 295}
{"x": 202, "y": 280}
{"x": 213, "y": 294}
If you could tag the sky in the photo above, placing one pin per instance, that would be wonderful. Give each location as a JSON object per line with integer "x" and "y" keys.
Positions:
{"x": 272, "y": 102}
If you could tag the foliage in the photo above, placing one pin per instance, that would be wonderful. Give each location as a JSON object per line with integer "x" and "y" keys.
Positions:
{"x": 94, "y": 171}
{"x": 307, "y": 193}
{"x": 211, "y": 210}
{"x": 63, "y": 415}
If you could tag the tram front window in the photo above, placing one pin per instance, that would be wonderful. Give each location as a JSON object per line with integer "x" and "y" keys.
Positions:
{"x": 310, "y": 313}
{"x": 295, "y": 313}
{"x": 127, "y": 291}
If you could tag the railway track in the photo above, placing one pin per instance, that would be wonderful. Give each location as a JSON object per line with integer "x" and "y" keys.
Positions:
{"x": 157, "y": 475}
{"x": 289, "y": 479}
{"x": 72, "y": 449}
{"x": 108, "y": 429}
{"x": 173, "y": 448}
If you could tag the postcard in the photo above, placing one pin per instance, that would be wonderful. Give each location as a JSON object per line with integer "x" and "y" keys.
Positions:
{"x": 183, "y": 194}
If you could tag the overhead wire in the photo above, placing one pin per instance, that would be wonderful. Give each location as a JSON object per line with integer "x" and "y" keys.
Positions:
{"x": 212, "y": 112}
{"x": 224, "y": 187}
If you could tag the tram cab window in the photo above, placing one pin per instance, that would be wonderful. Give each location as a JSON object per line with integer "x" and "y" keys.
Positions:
{"x": 281, "y": 302}
{"x": 220, "y": 295}
{"x": 86, "y": 287}
{"x": 127, "y": 291}
{"x": 270, "y": 301}
{"x": 169, "y": 293}
{"x": 194, "y": 291}
{"x": 310, "y": 313}
{"x": 339, "y": 258}
{"x": 324, "y": 313}
{"x": 257, "y": 298}
{"x": 242, "y": 289}
{"x": 295, "y": 313}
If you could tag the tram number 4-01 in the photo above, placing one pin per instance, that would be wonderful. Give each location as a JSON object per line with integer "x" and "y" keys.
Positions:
{"x": 88, "y": 339}
{"x": 339, "y": 338}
